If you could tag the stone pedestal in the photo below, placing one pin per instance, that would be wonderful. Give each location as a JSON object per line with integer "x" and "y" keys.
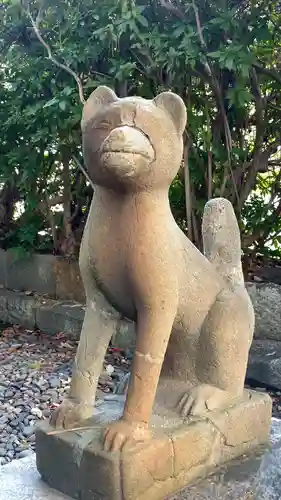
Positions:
{"x": 181, "y": 452}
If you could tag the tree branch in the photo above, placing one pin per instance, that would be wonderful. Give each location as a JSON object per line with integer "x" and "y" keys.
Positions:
{"x": 268, "y": 72}
{"x": 259, "y": 164}
{"x": 260, "y": 112}
{"x": 217, "y": 91}
{"x": 36, "y": 28}
{"x": 187, "y": 189}
{"x": 168, "y": 5}
{"x": 78, "y": 164}
{"x": 50, "y": 202}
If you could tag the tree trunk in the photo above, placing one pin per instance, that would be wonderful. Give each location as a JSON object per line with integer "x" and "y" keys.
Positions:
{"x": 68, "y": 247}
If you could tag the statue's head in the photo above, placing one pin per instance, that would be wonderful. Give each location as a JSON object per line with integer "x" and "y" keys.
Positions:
{"x": 132, "y": 143}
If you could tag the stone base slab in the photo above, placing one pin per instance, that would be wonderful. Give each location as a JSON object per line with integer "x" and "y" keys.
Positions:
{"x": 180, "y": 452}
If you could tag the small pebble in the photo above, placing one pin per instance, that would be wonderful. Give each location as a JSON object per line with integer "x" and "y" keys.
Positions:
{"x": 28, "y": 431}
{"x": 36, "y": 412}
{"x": 25, "y": 453}
{"x": 34, "y": 381}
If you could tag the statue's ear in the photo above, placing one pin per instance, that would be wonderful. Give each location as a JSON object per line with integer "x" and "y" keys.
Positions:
{"x": 175, "y": 107}
{"x": 98, "y": 99}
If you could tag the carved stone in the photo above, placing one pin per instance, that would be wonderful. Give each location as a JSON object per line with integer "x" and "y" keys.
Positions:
{"x": 194, "y": 318}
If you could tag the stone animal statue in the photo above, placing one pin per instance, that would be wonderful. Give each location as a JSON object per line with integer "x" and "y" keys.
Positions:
{"x": 194, "y": 318}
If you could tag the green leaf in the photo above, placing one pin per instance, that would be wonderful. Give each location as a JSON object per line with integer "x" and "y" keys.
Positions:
{"x": 179, "y": 30}
{"x": 143, "y": 21}
{"x": 229, "y": 63}
{"x": 62, "y": 105}
{"x": 215, "y": 55}
{"x": 51, "y": 103}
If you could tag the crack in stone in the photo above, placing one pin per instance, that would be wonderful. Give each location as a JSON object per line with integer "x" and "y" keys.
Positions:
{"x": 173, "y": 457}
{"x": 225, "y": 440}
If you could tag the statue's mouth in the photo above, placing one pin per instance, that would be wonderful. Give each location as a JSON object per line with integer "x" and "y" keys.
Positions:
{"x": 126, "y": 152}
{"x": 127, "y": 141}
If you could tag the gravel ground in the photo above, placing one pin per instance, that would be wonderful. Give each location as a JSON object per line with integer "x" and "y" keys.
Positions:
{"x": 35, "y": 371}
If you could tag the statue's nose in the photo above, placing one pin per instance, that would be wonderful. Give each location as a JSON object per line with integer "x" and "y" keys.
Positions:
{"x": 127, "y": 139}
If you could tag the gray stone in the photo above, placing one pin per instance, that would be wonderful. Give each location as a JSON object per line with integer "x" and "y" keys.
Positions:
{"x": 9, "y": 394}
{"x": 20, "y": 308}
{"x": 3, "y": 306}
{"x": 54, "y": 382}
{"x": 25, "y": 453}
{"x": 28, "y": 431}
{"x": 35, "y": 273}
{"x": 14, "y": 422}
{"x": 264, "y": 365}
{"x": 20, "y": 481}
{"x": 54, "y": 317}
{"x": 3, "y": 270}
{"x": 266, "y": 298}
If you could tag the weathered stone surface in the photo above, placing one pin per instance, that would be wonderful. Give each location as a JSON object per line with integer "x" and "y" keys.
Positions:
{"x": 266, "y": 298}
{"x": 264, "y": 366}
{"x": 57, "y": 316}
{"x": 178, "y": 454}
{"x": 254, "y": 478}
{"x": 21, "y": 308}
{"x": 35, "y": 273}
{"x": 3, "y": 269}
{"x": 4, "y": 294}
{"x": 270, "y": 274}
{"x": 257, "y": 477}
{"x": 194, "y": 318}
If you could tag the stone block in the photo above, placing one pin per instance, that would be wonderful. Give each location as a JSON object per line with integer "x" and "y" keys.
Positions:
{"x": 103, "y": 482}
{"x": 35, "y": 273}
{"x": 180, "y": 452}
{"x": 266, "y": 298}
{"x": 264, "y": 365}
{"x": 4, "y": 305}
{"x": 55, "y": 316}
{"x": 21, "y": 308}
{"x": 3, "y": 262}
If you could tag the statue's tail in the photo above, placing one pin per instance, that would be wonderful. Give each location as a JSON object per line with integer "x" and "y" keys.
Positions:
{"x": 221, "y": 240}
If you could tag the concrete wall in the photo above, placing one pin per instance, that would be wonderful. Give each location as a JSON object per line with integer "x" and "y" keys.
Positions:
{"x": 42, "y": 274}
{"x": 57, "y": 301}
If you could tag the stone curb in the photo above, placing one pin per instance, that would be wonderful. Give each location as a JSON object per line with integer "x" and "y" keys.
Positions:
{"x": 56, "y": 316}
{"x": 53, "y": 316}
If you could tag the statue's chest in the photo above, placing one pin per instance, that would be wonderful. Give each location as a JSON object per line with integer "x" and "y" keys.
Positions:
{"x": 107, "y": 258}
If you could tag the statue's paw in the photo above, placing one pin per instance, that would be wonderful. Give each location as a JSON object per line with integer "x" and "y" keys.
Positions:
{"x": 122, "y": 435}
{"x": 70, "y": 414}
{"x": 202, "y": 399}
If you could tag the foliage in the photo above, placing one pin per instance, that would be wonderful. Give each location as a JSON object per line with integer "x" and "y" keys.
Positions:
{"x": 221, "y": 57}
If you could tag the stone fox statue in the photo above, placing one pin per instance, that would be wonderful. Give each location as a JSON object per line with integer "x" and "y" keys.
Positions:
{"x": 194, "y": 319}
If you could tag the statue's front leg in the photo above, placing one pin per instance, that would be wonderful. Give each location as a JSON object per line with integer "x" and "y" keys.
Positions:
{"x": 98, "y": 328}
{"x": 153, "y": 328}
{"x": 222, "y": 355}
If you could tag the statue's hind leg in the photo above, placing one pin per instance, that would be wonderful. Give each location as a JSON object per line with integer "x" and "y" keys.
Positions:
{"x": 222, "y": 354}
